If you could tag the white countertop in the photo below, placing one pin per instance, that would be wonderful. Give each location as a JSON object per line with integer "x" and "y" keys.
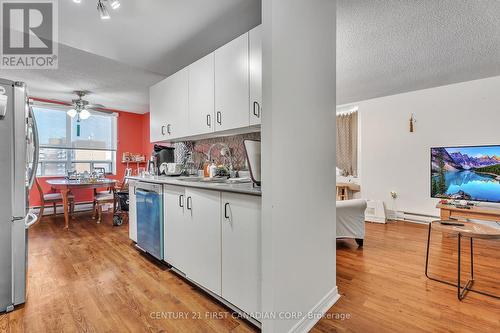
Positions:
{"x": 244, "y": 188}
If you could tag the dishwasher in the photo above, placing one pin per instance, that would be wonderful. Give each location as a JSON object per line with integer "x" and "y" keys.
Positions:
{"x": 149, "y": 203}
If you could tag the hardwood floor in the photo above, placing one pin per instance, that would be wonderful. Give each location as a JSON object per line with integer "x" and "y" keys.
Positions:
{"x": 91, "y": 279}
{"x": 384, "y": 288}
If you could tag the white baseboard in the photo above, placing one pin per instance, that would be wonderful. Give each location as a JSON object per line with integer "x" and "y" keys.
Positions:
{"x": 375, "y": 219}
{"x": 317, "y": 312}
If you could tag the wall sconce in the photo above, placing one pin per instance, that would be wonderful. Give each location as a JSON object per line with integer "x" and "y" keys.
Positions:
{"x": 413, "y": 120}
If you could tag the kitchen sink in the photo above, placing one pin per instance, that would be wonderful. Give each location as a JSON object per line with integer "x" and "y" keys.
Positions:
{"x": 202, "y": 180}
{"x": 215, "y": 180}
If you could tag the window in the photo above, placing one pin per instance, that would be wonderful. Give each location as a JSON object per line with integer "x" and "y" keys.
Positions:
{"x": 67, "y": 145}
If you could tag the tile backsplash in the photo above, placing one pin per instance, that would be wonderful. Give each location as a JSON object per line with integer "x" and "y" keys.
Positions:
{"x": 200, "y": 148}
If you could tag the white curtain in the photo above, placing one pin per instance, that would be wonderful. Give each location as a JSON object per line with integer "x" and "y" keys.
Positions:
{"x": 347, "y": 143}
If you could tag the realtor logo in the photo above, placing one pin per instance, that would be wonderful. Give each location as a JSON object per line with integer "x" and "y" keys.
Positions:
{"x": 29, "y": 34}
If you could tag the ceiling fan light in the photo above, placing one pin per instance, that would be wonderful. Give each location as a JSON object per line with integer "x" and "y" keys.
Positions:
{"x": 103, "y": 11}
{"x": 115, "y": 4}
{"x": 72, "y": 113}
{"x": 84, "y": 114}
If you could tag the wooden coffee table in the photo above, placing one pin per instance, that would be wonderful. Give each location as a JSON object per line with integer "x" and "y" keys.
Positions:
{"x": 469, "y": 230}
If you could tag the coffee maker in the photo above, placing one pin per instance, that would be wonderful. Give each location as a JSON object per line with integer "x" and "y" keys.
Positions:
{"x": 162, "y": 154}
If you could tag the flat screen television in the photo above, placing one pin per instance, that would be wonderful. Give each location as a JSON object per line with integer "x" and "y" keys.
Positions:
{"x": 469, "y": 173}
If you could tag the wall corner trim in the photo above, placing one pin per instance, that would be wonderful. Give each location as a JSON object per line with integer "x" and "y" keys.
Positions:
{"x": 317, "y": 312}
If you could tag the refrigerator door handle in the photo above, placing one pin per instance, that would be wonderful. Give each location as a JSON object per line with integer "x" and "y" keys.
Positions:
{"x": 36, "y": 151}
{"x": 3, "y": 105}
{"x": 31, "y": 219}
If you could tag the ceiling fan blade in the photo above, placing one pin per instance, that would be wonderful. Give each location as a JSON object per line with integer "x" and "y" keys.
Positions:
{"x": 95, "y": 106}
{"x": 99, "y": 108}
{"x": 44, "y": 101}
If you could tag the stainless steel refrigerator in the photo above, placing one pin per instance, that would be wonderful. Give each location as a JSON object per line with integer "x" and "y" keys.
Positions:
{"x": 18, "y": 164}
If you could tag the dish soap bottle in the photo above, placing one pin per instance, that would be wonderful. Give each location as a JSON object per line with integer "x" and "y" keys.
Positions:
{"x": 206, "y": 171}
{"x": 212, "y": 170}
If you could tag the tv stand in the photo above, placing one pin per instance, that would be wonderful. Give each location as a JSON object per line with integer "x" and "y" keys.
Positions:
{"x": 453, "y": 212}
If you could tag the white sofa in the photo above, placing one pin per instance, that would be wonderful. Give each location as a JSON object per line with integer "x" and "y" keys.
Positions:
{"x": 351, "y": 219}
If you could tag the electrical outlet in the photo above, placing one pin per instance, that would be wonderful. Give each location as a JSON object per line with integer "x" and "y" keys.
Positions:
{"x": 394, "y": 194}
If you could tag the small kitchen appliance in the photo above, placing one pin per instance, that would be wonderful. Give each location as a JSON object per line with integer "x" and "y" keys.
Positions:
{"x": 252, "y": 150}
{"x": 162, "y": 155}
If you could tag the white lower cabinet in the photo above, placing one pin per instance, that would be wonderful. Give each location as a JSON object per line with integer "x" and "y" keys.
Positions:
{"x": 204, "y": 244}
{"x": 241, "y": 251}
{"x": 132, "y": 212}
{"x": 176, "y": 236}
{"x": 214, "y": 238}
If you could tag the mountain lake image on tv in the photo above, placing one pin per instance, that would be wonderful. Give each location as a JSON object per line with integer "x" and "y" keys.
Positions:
{"x": 466, "y": 173}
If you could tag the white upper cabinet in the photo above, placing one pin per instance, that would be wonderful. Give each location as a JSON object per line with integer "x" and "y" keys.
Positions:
{"x": 221, "y": 91}
{"x": 157, "y": 114}
{"x": 232, "y": 85}
{"x": 255, "y": 68}
{"x": 201, "y": 96}
{"x": 169, "y": 107}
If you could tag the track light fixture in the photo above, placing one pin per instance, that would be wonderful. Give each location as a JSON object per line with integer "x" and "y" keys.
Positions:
{"x": 102, "y": 7}
{"x": 115, "y": 4}
{"x": 103, "y": 11}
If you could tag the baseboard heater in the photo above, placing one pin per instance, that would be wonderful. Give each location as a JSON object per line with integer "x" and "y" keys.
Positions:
{"x": 416, "y": 217}
{"x": 79, "y": 207}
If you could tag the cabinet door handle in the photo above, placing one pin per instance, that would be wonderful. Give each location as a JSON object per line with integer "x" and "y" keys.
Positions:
{"x": 163, "y": 130}
{"x": 181, "y": 200}
{"x": 209, "y": 121}
{"x": 168, "y": 129}
{"x": 189, "y": 203}
{"x": 219, "y": 117}
{"x": 256, "y": 109}
{"x": 225, "y": 210}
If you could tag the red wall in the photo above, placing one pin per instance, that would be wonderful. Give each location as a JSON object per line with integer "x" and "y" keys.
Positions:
{"x": 133, "y": 137}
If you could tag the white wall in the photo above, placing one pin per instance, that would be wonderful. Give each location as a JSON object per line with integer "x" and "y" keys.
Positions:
{"x": 467, "y": 113}
{"x": 298, "y": 116}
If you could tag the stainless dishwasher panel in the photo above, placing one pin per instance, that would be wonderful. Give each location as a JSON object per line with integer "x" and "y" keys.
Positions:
{"x": 149, "y": 203}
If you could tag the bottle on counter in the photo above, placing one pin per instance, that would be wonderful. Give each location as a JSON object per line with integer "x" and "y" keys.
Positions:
{"x": 206, "y": 169}
{"x": 212, "y": 170}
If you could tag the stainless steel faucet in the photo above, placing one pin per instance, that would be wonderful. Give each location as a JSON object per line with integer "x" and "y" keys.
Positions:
{"x": 225, "y": 151}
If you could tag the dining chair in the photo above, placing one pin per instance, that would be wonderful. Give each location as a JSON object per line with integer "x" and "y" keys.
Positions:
{"x": 52, "y": 199}
{"x": 109, "y": 196}
{"x": 100, "y": 199}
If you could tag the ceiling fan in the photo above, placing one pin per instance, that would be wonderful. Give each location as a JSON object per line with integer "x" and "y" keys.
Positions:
{"x": 80, "y": 107}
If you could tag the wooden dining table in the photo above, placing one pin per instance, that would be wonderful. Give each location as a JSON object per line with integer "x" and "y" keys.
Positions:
{"x": 65, "y": 186}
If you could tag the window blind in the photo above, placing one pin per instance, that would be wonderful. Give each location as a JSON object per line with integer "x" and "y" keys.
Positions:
{"x": 58, "y": 130}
